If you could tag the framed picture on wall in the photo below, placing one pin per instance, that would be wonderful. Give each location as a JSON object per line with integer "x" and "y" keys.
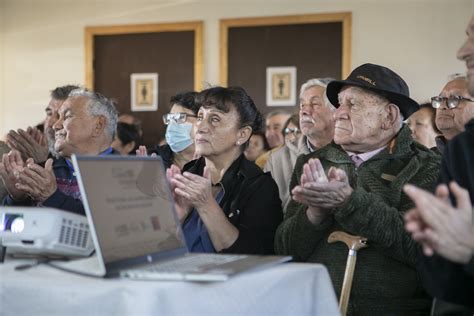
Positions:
{"x": 281, "y": 86}
{"x": 144, "y": 91}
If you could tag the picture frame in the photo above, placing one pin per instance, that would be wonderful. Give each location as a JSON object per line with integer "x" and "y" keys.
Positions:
{"x": 144, "y": 92}
{"x": 281, "y": 86}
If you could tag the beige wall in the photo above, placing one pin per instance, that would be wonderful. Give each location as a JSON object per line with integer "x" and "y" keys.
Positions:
{"x": 43, "y": 41}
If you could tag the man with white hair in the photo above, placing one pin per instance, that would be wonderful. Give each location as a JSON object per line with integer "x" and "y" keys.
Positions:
{"x": 355, "y": 185}
{"x": 317, "y": 126}
{"x": 454, "y": 108}
{"x": 86, "y": 126}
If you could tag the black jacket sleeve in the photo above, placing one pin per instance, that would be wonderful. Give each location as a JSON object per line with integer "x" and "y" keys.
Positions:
{"x": 442, "y": 278}
{"x": 257, "y": 216}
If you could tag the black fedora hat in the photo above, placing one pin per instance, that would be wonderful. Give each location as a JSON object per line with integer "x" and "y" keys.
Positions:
{"x": 380, "y": 80}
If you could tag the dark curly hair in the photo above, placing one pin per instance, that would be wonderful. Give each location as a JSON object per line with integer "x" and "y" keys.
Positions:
{"x": 185, "y": 99}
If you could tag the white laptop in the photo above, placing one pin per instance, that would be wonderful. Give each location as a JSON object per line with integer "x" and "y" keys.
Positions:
{"x": 135, "y": 229}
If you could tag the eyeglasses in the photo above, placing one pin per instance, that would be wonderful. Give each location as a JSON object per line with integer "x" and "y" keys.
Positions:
{"x": 451, "y": 102}
{"x": 288, "y": 130}
{"x": 178, "y": 118}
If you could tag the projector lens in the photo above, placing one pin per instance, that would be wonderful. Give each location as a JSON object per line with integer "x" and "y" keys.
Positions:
{"x": 13, "y": 223}
{"x": 18, "y": 224}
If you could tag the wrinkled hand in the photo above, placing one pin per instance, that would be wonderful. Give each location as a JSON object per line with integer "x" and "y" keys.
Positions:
{"x": 37, "y": 135}
{"x": 181, "y": 205}
{"x": 38, "y": 182}
{"x": 10, "y": 169}
{"x": 321, "y": 191}
{"x": 30, "y": 143}
{"x": 196, "y": 190}
{"x": 438, "y": 226}
{"x": 313, "y": 171}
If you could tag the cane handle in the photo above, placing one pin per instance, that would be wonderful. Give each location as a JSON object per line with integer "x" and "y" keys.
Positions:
{"x": 353, "y": 242}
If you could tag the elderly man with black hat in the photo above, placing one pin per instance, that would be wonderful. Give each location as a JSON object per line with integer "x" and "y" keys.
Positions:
{"x": 355, "y": 185}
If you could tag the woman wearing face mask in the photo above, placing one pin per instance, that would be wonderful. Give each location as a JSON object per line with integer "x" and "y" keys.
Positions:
{"x": 179, "y": 148}
{"x": 225, "y": 202}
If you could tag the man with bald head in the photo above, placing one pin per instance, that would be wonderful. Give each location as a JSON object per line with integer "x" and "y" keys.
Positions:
{"x": 454, "y": 108}
{"x": 355, "y": 185}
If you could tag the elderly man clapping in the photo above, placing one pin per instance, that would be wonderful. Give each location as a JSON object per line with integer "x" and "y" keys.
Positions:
{"x": 86, "y": 126}
{"x": 355, "y": 185}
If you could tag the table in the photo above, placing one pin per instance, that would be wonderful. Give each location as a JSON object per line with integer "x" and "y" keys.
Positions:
{"x": 286, "y": 289}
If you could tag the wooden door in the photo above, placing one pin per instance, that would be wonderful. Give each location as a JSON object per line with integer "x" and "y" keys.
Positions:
{"x": 171, "y": 50}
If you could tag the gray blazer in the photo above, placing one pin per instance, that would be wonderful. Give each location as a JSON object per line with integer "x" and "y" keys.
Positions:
{"x": 280, "y": 164}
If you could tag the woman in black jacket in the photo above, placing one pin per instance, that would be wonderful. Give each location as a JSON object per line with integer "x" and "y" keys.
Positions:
{"x": 226, "y": 203}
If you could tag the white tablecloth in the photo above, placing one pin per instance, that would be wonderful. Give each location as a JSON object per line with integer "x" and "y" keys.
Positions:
{"x": 287, "y": 289}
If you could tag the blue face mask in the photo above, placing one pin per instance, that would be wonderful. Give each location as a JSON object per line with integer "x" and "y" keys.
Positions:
{"x": 178, "y": 136}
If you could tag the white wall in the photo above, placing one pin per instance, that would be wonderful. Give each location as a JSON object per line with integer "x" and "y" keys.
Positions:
{"x": 1, "y": 64}
{"x": 43, "y": 41}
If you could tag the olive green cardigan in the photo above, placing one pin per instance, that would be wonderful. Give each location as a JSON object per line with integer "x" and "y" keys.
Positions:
{"x": 385, "y": 279}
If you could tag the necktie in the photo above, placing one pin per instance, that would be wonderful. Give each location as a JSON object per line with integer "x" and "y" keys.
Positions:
{"x": 357, "y": 160}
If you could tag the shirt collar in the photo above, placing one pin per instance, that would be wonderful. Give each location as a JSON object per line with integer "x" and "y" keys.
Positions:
{"x": 108, "y": 151}
{"x": 367, "y": 155}
{"x": 310, "y": 147}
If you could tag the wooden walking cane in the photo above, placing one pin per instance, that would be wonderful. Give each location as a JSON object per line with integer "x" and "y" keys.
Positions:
{"x": 354, "y": 243}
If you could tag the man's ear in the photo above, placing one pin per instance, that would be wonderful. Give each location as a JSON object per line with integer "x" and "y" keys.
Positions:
{"x": 99, "y": 127}
{"x": 393, "y": 116}
{"x": 244, "y": 134}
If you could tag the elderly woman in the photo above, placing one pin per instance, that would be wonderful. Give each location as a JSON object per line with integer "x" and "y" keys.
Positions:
{"x": 423, "y": 126}
{"x": 257, "y": 146}
{"x": 225, "y": 202}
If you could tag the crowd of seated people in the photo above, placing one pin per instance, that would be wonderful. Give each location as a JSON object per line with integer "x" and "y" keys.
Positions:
{"x": 359, "y": 155}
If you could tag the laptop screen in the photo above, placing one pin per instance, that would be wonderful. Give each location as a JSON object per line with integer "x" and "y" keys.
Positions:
{"x": 131, "y": 206}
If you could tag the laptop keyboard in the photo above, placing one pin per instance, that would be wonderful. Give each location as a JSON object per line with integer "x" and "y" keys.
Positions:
{"x": 192, "y": 263}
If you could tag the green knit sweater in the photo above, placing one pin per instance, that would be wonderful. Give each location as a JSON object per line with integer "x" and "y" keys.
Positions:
{"x": 385, "y": 279}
